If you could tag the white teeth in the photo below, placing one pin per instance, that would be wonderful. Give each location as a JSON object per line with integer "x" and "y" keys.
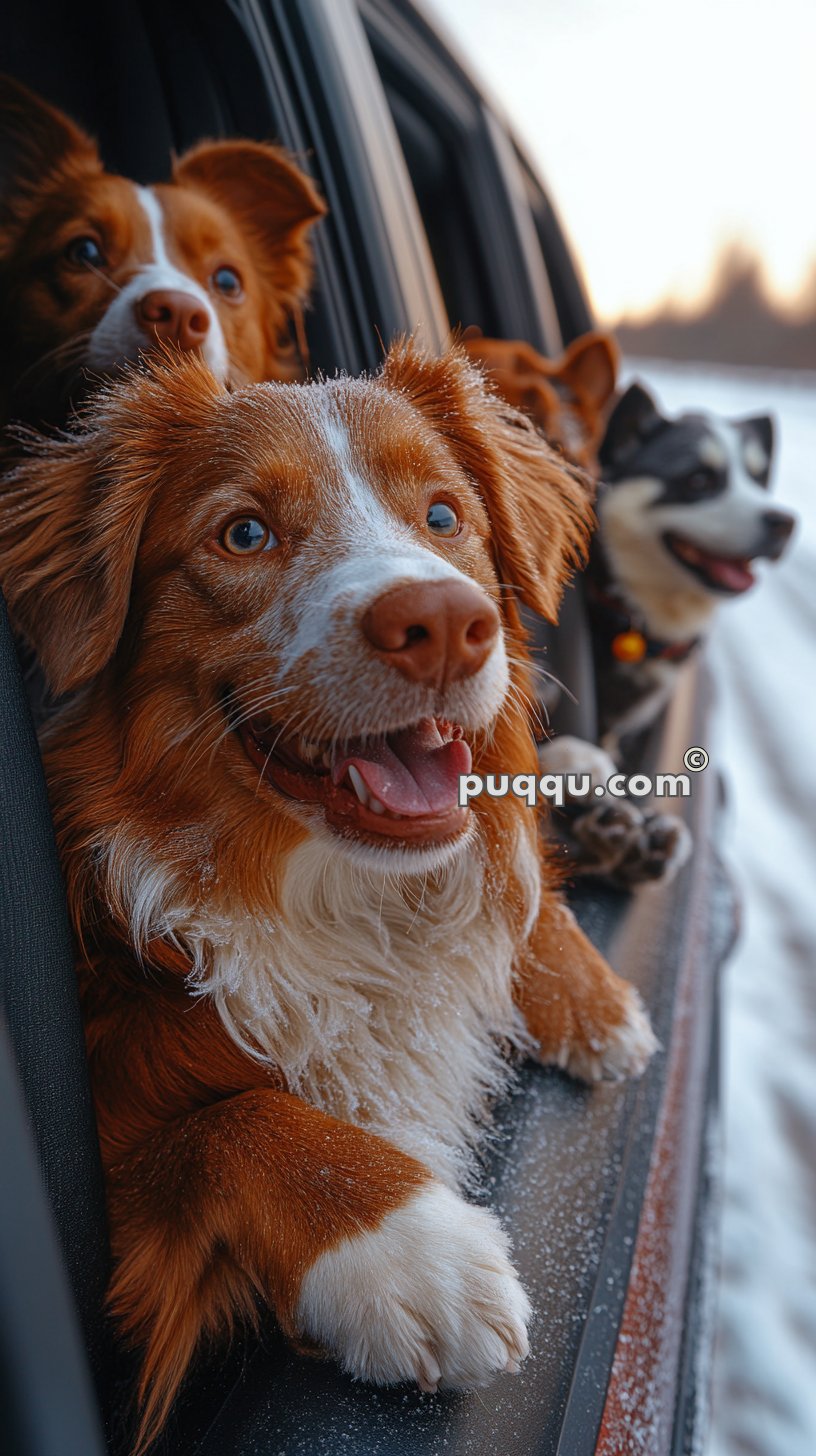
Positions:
{"x": 357, "y": 784}
{"x": 376, "y": 806}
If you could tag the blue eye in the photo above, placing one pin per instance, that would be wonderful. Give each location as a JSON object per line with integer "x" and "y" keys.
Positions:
{"x": 247, "y": 537}
{"x": 442, "y": 519}
{"x": 85, "y": 252}
{"x": 227, "y": 281}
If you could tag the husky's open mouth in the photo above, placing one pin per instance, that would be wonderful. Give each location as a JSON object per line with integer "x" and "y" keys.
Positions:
{"x": 731, "y": 574}
{"x": 400, "y": 786}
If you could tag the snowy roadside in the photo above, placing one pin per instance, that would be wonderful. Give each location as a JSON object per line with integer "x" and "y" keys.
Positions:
{"x": 763, "y": 657}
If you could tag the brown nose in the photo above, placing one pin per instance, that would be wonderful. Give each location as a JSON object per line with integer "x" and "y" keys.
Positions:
{"x": 433, "y": 631}
{"x": 181, "y": 318}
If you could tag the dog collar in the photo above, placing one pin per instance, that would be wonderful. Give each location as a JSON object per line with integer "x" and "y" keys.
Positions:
{"x": 624, "y": 636}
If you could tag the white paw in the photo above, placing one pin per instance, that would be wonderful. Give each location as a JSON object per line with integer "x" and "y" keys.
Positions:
{"x": 429, "y": 1296}
{"x": 625, "y": 1051}
{"x": 569, "y": 755}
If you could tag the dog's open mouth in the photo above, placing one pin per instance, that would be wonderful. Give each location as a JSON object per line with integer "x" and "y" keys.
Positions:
{"x": 400, "y": 786}
{"x": 731, "y": 574}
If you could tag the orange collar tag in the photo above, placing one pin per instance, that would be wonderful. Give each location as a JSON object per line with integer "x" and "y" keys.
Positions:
{"x": 629, "y": 647}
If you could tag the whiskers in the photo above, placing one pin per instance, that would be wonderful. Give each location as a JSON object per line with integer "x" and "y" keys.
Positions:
{"x": 222, "y": 717}
{"x": 518, "y": 703}
{"x": 329, "y": 723}
{"x": 98, "y": 273}
{"x": 535, "y": 669}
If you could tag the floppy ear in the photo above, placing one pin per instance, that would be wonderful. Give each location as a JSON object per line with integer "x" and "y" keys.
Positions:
{"x": 275, "y": 202}
{"x": 36, "y": 142}
{"x": 589, "y": 368}
{"x": 67, "y": 551}
{"x": 539, "y": 505}
{"x": 72, "y": 514}
{"x": 634, "y": 418}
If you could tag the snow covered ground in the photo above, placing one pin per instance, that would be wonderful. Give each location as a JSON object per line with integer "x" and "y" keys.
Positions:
{"x": 764, "y": 660}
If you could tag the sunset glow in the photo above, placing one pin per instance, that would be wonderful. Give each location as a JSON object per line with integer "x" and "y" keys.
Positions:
{"x": 666, "y": 132}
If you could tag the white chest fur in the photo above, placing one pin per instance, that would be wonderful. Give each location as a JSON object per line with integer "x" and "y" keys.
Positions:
{"x": 381, "y": 999}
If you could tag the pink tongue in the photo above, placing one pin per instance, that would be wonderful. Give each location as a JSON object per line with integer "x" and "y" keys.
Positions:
{"x": 411, "y": 772}
{"x": 730, "y": 574}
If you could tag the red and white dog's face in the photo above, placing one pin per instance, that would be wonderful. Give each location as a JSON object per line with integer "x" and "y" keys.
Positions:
{"x": 95, "y": 269}
{"x": 297, "y": 591}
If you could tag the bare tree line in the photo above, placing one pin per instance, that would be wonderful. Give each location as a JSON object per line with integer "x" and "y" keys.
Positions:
{"x": 741, "y": 324}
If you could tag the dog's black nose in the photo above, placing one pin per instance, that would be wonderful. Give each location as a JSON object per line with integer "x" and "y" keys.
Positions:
{"x": 777, "y": 527}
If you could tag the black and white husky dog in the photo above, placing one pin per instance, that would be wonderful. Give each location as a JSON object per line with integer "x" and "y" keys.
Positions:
{"x": 683, "y": 515}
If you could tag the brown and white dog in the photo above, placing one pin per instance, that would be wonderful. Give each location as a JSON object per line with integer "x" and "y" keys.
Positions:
{"x": 284, "y": 616}
{"x": 94, "y": 269}
{"x": 566, "y": 397}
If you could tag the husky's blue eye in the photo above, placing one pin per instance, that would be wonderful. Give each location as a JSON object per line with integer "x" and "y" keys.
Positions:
{"x": 247, "y": 536}
{"x": 442, "y": 519}
{"x": 85, "y": 252}
{"x": 227, "y": 281}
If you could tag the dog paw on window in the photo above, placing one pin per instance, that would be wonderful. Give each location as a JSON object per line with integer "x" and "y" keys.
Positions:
{"x": 429, "y": 1296}
{"x": 612, "y": 838}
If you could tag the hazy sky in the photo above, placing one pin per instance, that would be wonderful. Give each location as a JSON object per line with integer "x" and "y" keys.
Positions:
{"x": 665, "y": 129}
